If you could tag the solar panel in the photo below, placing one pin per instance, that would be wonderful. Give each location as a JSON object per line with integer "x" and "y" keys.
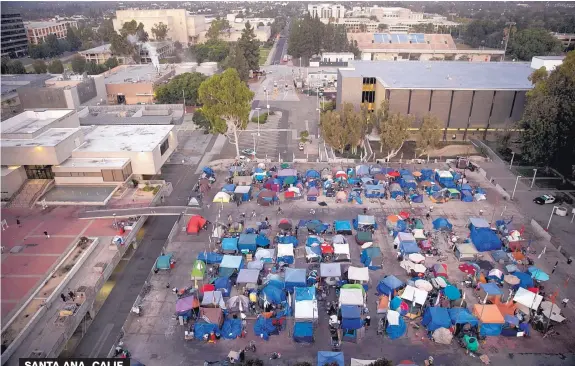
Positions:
{"x": 420, "y": 38}
{"x": 377, "y": 38}
{"x": 402, "y": 38}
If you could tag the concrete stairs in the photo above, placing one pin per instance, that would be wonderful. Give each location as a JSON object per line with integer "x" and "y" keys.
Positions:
{"x": 29, "y": 193}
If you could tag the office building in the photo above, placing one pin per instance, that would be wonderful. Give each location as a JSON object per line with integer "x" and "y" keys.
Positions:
{"x": 135, "y": 84}
{"x": 38, "y": 31}
{"x": 470, "y": 99}
{"x": 13, "y": 38}
{"x": 399, "y": 19}
{"x": 326, "y": 11}
{"x": 101, "y": 54}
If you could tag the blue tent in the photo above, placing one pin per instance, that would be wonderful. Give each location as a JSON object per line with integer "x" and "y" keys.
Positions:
{"x": 247, "y": 242}
{"x": 351, "y": 317}
{"x": 462, "y": 316}
{"x": 295, "y": 277}
{"x": 436, "y": 317}
{"x": 361, "y": 170}
{"x": 426, "y": 174}
{"x": 231, "y": 329}
{"x": 466, "y": 196}
{"x": 224, "y": 285}
{"x": 210, "y": 257}
{"x": 388, "y": 285}
{"x": 230, "y": 244}
{"x": 303, "y": 332}
{"x": 441, "y": 223}
{"x": 375, "y": 169}
{"x": 262, "y": 240}
{"x": 525, "y": 279}
{"x": 313, "y": 174}
{"x": 263, "y": 328}
{"x": 452, "y": 293}
{"x": 417, "y": 198}
{"x": 408, "y": 247}
{"x": 485, "y": 239}
{"x": 408, "y": 181}
{"x": 273, "y": 293}
{"x": 163, "y": 261}
{"x": 229, "y": 188}
{"x": 304, "y": 293}
{"x": 232, "y": 262}
{"x": 288, "y": 239}
{"x": 342, "y": 227}
{"x": 368, "y": 255}
{"x": 404, "y": 171}
{"x": 312, "y": 240}
{"x": 202, "y": 328}
{"x": 208, "y": 171}
{"x": 330, "y": 358}
{"x": 396, "y": 331}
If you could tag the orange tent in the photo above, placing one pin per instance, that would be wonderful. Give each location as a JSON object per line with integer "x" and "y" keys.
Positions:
{"x": 195, "y": 224}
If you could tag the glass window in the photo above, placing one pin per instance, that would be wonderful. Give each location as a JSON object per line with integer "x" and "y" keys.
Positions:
{"x": 164, "y": 146}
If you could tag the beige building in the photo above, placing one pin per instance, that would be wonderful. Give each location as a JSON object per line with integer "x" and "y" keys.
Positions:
{"x": 399, "y": 19}
{"x": 326, "y": 11}
{"x": 38, "y": 31}
{"x": 51, "y": 144}
{"x": 182, "y": 26}
{"x": 235, "y": 33}
{"x": 101, "y": 54}
{"x": 135, "y": 84}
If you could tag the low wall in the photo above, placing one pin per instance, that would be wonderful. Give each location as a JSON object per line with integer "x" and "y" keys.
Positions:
{"x": 503, "y": 192}
{"x": 540, "y": 231}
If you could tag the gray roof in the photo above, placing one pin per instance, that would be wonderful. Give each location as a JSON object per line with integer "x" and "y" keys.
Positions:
{"x": 99, "y": 49}
{"x": 550, "y": 57}
{"x": 444, "y": 74}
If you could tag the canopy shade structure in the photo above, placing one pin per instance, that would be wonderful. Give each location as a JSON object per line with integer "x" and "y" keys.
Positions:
{"x": 330, "y": 358}
{"x": 414, "y": 294}
{"x": 435, "y": 318}
{"x": 351, "y": 296}
{"x": 231, "y": 261}
{"x": 306, "y": 309}
{"x": 462, "y": 316}
{"x": 230, "y": 244}
{"x": 330, "y": 269}
{"x": 214, "y": 299}
{"x": 358, "y": 274}
{"x": 248, "y": 276}
{"x": 528, "y": 299}
{"x": 552, "y": 311}
{"x": 478, "y": 222}
{"x": 363, "y": 220}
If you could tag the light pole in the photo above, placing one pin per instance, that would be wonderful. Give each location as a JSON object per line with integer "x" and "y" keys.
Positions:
{"x": 533, "y": 180}
{"x": 318, "y": 121}
{"x": 512, "y": 157}
{"x": 115, "y": 223}
{"x": 254, "y": 135}
{"x": 258, "y": 109}
{"x": 510, "y": 24}
{"x": 551, "y": 216}
{"x": 515, "y": 187}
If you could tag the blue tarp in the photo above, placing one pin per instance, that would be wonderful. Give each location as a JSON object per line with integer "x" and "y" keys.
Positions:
{"x": 426, "y": 174}
{"x": 229, "y": 188}
{"x": 288, "y": 239}
{"x": 351, "y": 323}
{"x": 436, "y": 317}
{"x": 490, "y": 289}
{"x": 525, "y": 279}
{"x": 163, "y": 261}
{"x": 486, "y": 329}
{"x": 484, "y": 239}
{"x": 224, "y": 285}
{"x": 396, "y": 331}
{"x": 263, "y": 241}
{"x": 295, "y": 277}
{"x": 210, "y": 257}
{"x": 303, "y": 332}
{"x": 273, "y": 294}
{"x": 263, "y": 328}
{"x": 232, "y": 261}
{"x": 368, "y": 255}
{"x": 231, "y": 329}
{"x": 452, "y": 293}
{"x": 330, "y": 358}
{"x": 442, "y": 223}
{"x": 208, "y": 171}
{"x": 388, "y": 285}
{"x": 395, "y": 303}
{"x": 247, "y": 242}
{"x": 466, "y": 196}
{"x": 201, "y": 328}
{"x": 230, "y": 244}
{"x": 304, "y": 293}
{"x": 462, "y": 316}
{"x": 408, "y": 247}
{"x": 342, "y": 225}
{"x": 312, "y": 240}
{"x": 312, "y": 174}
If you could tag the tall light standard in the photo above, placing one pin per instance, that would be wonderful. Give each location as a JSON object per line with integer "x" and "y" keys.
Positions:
{"x": 512, "y": 157}
{"x": 515, "y": 187}
{"x": 551, "y": 216}
{"x": 115, "y": 222}
{"x": 510, "y": 24}
{"x": 533, "y": 180}
{"x": 318, "y": 121}
{"x": 254, "y": 135}
{"x": 258, "y": 109}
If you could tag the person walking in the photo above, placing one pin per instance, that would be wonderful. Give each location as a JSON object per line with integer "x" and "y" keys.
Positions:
{"x": 72, "y": 295}
{"x": 18, "y": 223}
{"x": 63, "y": 297}
{"x": 46, "y": 235}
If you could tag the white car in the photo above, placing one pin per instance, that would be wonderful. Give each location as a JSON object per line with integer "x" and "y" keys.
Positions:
{"x": 544, "y": 200}
{"x": 301, "y": 146}
{"x": 243, "y": 158}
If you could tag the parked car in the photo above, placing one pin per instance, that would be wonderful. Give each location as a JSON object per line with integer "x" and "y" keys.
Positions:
{"x": 545, "y": 199}
{"x": 301, "y": 146}
{"x": 248, "y": 152}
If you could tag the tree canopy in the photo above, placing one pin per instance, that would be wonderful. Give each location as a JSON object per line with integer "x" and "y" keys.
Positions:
{"x": 343, "y": 129}
{"x": 185, "y": 85}
{"x": 236, "y": 60}
{"x": 12, "y": 66}
{"x": 214, "y": 50}
{"x": 250, "y": 47}
{"x": 73, "y": 40}
{"x": 39, "y": 67}
{"x": 78, "y": 64}
{"x": 530, "y": 42}
{"x": 56, "y": 67}
{"x": 548, "y": 122}
{"x": 226, "y": 103}
{"x": 160, "y": 31}
{"x": 393, "y": 129}
{"x": 428, "y": 135}
{"x": 217, "y": 27}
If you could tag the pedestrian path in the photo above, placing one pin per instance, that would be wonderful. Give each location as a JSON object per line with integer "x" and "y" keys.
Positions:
{"x": 269, "y": 141}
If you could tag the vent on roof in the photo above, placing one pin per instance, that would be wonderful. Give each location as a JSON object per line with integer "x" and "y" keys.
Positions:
{"x": 448, "y": 77}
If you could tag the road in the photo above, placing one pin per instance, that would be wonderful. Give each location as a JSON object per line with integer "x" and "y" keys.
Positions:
{"x": 104, "y": 330}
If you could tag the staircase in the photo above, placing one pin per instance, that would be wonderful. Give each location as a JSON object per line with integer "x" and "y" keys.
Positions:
{"x": 29, "y": 193}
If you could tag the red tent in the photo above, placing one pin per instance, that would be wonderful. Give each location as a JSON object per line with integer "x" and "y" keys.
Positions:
{"x": 195, "y": 224}
{"x": 394, "y": 174}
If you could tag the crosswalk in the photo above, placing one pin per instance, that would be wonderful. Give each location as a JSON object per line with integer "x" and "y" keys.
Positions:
{"x": 270, "y": 141}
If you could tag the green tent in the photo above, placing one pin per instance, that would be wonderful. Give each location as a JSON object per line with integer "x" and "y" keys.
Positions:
{"x": 418, "y": 224}
{"x": 198, "y": 270}
{"x": 284, "y": 165}
{"x": 290, "y": 180}
{"x": 471, "y": 343}
{"x": 354, "y": 285}
{"x": 363, "y": 237}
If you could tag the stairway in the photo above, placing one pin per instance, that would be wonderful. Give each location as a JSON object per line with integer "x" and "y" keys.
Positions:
{"x": 29, "y": 193}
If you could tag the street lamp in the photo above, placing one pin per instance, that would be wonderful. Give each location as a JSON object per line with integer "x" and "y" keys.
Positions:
{"x": 258, "y": 109}
{"x": 533, "y": 180}
{"x": 318, "y": 121}
{"x": 115, "y": 223}
{"x": 254, "y": 135}
{"x": 512, "y": 157}
{"x": 515, "y": 187}
{"x": 551, "y": 216}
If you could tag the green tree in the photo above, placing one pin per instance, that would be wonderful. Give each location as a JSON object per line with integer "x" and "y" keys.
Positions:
{"x": 160, "y": 31}
{"x": 185, "y": 85}
{"x": 226, "y": 103}
{"x": 78, "y": 64}
{"x": 5, "y": 61}
{"x": 548, "y": 122}
{"x": 382, "y": 362}
{"x": 428, "y": 135}
{"x": 39, "y": 67}
{"x": 333, "y": 130}
{"x": 15, "y": 67}
{"x": 111, "y": 63}
{"x": 63, "y": 46}
{"x": 119, "y": 45}
{"x": 52, "y": 46}
{"x": 392, "y": 128}
{"x": 73, "y": 39}
{"x": 531, "y": 42}
{"x": 250, "y": 47}
{"x": 201, "y": 121}
{"x": 236, "y": 60}
{"x": 56, "y": 67}
{"x": 36, "y": 51}
{"x": 106, "y": 30}
{"x": 214, "y": 50}
{"x": 217, "y": 28}
{"x": 483, "y": 32}
{"x": 93, "y": 68}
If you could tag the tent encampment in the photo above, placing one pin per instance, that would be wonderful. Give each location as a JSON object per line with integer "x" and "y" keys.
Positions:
{"x": 195, "y": 224}
{"x": 222, "y": 197}
{"x": 436, "y": 317}
{"x": 330, "y": 358}
{"x": 491, "y": 319}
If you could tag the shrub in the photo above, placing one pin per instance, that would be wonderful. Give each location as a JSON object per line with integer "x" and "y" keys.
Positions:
{"x": 263, "y": 118}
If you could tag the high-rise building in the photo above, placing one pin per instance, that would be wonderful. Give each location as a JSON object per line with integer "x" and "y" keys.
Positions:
{"x": 14, "y": 41}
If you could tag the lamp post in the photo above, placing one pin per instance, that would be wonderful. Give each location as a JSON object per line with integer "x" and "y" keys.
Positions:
{"x": 533, "y": 180}
{"x": 512, "y": 157}
{"x": 254, "y": 135}
{"x": 551, "y": 216}
{"x": 115, "y": 223}
{"x": 258, "y": 109}
{"x": 318, "y": 121}
{"x": 515, "y": 187}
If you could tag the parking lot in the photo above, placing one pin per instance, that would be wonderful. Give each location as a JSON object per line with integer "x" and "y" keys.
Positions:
{"x": 157, "y": 337}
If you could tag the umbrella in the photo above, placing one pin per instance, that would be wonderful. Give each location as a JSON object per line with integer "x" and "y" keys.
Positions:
{"x": 393, "y": 174}
{"x": 538, "y": 275}
{"x": 511, "y": 280}
{"x": 379, "y": 176}
{"x": 416, "y": 258}
{"x": 285, "y": 224}
{"x": 426, "y": 183}
{"x": 261, "y": 166}
{"x": 423, "y": 285}
{"x": 495, "y": 273}
{"x": 404, "y": 215}
{"x": 467, "y": 268}
{"x": 393, "y": 218}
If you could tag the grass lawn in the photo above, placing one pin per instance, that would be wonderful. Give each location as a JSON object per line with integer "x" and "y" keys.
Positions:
{"x": 264, "y": 52}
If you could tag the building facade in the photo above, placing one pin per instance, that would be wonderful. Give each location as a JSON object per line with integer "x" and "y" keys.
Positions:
{"x": 400, "y": 19}
{"x": 182, "y": 26}
{"x": 103, "y": 53}
{"x": 470, "y": 99}
{"x": 135, "y": 84}
{"x": 13, "y": 37}
{"x": 38, "y": 31}
{"x": 326, "y": 11}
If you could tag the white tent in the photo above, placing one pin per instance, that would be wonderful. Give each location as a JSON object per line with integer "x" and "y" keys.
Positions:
{"x": 330, "y": 269}
{"x": 306, "y": 309}
{"x": 527, "y": 299}
{"x": 242, "y": 189}
{"x": 414, "y": 294}
{"x": 409, "y": 266}
{"x": 285, "y": 250}
{"x": 265, "y": 254}
{"x": 357, "y": 362}
{"x": 418, "y": 234}
{"x": 552, "y": 311}
{"x": 392, "y": 317}
{"x": 341, "y": 250}
{"x": 338, "y": 239}
{"x": 248, "y": 276}
{"x": 358, "y": 274}
{"x": 351, "y": 296}
{"x": 213, "y": 298}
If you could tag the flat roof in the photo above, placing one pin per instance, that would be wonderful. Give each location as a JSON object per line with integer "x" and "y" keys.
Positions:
{"x": 124, "y": 138}
{"x": 444, "y": 74}
{"x": 94, "y": 163}
{"x": 103, "y": 48}
{"x": 51, "y": 137}
{"x": 134, "y": 73}
{"x": 46, "y": 24}
{"x": 29, "y": 122}
{"x": 550, "y": 57}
